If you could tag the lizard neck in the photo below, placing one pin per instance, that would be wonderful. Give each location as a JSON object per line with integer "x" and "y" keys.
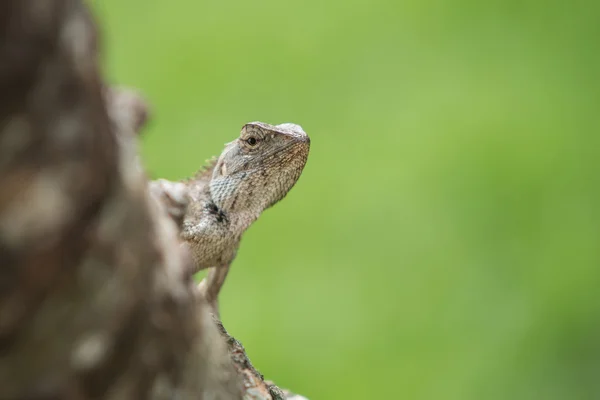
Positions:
{"x": 237, "y": 197}
{"x": 238, "y": 217}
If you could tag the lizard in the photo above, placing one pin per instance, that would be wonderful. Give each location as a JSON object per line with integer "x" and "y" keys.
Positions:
{"x": 253, "y": 172}
{"x": 128, "y": 113}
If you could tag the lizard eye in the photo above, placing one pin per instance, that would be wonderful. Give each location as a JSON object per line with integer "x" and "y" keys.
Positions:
{"x": 252, "y": 141}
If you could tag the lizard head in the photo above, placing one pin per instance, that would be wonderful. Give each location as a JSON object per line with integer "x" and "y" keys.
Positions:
{"x": 259, "y": 168}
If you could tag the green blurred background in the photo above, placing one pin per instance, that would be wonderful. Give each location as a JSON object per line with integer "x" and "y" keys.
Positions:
{"x": 442, "y": 242}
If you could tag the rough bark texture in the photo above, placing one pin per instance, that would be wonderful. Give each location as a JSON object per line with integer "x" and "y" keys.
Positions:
{"x": 95, "y": 301}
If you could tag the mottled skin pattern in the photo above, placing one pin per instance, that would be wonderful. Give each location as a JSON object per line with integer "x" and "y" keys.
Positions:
{"x": 254, "y": 172}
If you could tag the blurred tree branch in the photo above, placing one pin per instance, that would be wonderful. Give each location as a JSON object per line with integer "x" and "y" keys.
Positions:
{"x": 94, "y": 298}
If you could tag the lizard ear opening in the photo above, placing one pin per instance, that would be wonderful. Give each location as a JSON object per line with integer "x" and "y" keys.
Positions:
{"x": 223, "y": 169}
{"x": 220, "y": 169}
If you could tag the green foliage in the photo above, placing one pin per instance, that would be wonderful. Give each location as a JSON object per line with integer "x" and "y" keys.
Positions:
{"x": 443, "y": 242}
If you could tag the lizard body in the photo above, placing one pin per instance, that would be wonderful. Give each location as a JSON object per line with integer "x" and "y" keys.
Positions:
{"x": 252, "y": 173}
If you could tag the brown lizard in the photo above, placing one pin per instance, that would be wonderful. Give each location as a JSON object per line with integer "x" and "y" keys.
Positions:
{"x": 253, "y": 173}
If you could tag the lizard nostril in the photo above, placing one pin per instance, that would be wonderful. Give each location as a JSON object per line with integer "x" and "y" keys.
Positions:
{"x": 303, "y": 138}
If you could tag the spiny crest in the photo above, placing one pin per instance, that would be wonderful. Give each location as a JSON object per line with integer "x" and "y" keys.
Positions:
{"x": 205, "y": 172}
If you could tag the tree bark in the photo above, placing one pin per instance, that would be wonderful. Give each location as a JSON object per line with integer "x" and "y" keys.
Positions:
{"x": 95, "y": 301}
